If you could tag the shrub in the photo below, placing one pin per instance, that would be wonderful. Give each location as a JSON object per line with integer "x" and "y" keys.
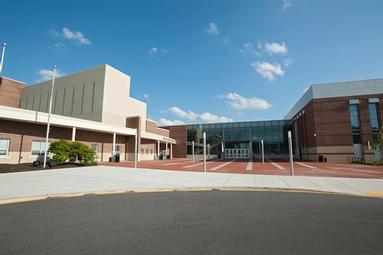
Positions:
{"x": 82, "y": 153}
{"x": 74, "y": 151}
{"x": 60, "y": 151}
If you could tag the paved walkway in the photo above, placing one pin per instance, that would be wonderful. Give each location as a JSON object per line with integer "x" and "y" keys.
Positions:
{"x": 110, "y": 179}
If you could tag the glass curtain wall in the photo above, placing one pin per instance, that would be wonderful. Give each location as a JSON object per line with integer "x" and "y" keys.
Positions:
{"x": 239, "y": 134}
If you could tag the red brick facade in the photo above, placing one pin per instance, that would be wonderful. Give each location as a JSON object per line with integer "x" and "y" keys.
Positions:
{"x": 10, "y": 91}
{"x": 21, "y": 136}
{"x": 179, "y": 133}
{"x": 325, "y": 123}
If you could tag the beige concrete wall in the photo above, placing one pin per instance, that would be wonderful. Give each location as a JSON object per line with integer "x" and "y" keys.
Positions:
{"x": 79, "y": 95}
{"x": 146, "y": 152}
{"x": 118, "y": 105}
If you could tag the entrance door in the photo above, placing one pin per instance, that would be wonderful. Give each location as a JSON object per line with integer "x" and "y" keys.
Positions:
{"x": 236, "y": 153}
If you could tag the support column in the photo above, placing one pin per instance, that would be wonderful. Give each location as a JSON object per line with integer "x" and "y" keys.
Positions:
{"x": 73, "y": 134}
{"x": 135, "y": 150}
{"x": 114, "y": 145}
{"x": 166, "y": 150}
{"x": 158, "y": 149}
{"x": 171, "y": 151}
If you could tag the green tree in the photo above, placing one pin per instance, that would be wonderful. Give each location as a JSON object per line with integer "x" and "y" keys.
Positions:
{"x": 74, "y": 151}
{"x": 81, "y": 153}
{"x": 60, "y": 151}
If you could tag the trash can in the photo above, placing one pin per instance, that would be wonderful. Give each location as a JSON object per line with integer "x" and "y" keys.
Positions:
{"x": 117, "y": 158}
{"x": 320, "y": 158}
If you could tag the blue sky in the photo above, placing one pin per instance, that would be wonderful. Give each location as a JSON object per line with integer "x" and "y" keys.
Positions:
{"x": 201, "y": 60}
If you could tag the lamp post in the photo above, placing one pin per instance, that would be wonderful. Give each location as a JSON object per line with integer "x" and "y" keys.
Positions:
{"x": 2, "y": 58}
{"x": 49, "y": 117}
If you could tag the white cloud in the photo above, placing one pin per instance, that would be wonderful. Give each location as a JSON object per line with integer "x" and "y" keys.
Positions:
{"x": 183, "y": 114}
{"x": 248, "y": 48}
{"x": 275, "y": 48}
{"x": 59, "y": 45}
{"x": 166, "y": 122}
{"x": 75, "y": 36}
{"x": 155, "y": 50}
{"x": 146, "y": 96}
{"x": 287, "y": 62}
{"x": 286, "y": 4}
{"x": 205, "y": 117}
{"x": 268, "y": 70}
{"x": 212, "y": 28}
{"x": 239, "y": 102}
{"x": 212, "y": 118}
{"x": 46, "y": 74}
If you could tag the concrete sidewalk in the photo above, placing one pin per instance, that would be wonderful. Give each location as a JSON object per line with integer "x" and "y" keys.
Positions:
{"x": 99, "y": 179}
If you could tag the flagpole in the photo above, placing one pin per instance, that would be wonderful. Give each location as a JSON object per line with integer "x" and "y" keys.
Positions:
{"x": 2, "y": 58}
{"x": 49, "y": 117}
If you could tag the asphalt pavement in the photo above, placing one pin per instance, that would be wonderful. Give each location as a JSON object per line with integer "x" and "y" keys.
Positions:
{"x": 215, "y": 222}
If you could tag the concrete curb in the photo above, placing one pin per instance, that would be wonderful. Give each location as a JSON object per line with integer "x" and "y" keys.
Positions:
{"x": 239, "y": 189}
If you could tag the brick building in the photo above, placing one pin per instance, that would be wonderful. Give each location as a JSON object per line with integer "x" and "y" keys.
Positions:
{"x": 93, "y": 107}
{"x": 333, "y": 122}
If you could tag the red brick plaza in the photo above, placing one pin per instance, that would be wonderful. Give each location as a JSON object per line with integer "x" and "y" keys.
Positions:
{"x": 268, "y": 168}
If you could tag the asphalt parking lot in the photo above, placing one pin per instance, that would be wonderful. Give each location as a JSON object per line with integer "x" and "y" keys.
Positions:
{"x": 270, "y": 167}
{"x": 217, "y": 222}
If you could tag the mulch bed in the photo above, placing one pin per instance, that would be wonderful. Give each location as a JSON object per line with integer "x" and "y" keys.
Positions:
{"x": 26, "y": 167}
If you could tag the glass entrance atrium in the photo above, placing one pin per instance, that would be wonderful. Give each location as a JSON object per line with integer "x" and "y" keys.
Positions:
{"x": 240, "y": 139}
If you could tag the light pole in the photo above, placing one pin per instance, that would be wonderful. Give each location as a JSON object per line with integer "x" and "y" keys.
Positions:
{"x": 2, "y": 58}
{"x": 49, "y": 117}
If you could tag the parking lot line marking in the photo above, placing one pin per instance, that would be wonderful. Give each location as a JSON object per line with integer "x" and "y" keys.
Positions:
{"x": 207, "y": 162}
{"x": 222, "y": 165}
{"x": 249, "y": 166}
{"x": 176, "y": 163}
{"x": 305, "y": 165}
{"x": 277, "y": 165}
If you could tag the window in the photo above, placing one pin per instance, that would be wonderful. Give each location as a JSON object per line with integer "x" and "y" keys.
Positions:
{"x": 354, "y": 116}
{"x": 94, "y": 147}
{"x": 147, "y": 151}
{"x": 142, "y": 151}
{"x": 117, "y": 149}
{"x": 355, "y": 124}
{"x": 4, "y": 147}
{"x": 374, "y": 117}
{"x": 38, "y": 147}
